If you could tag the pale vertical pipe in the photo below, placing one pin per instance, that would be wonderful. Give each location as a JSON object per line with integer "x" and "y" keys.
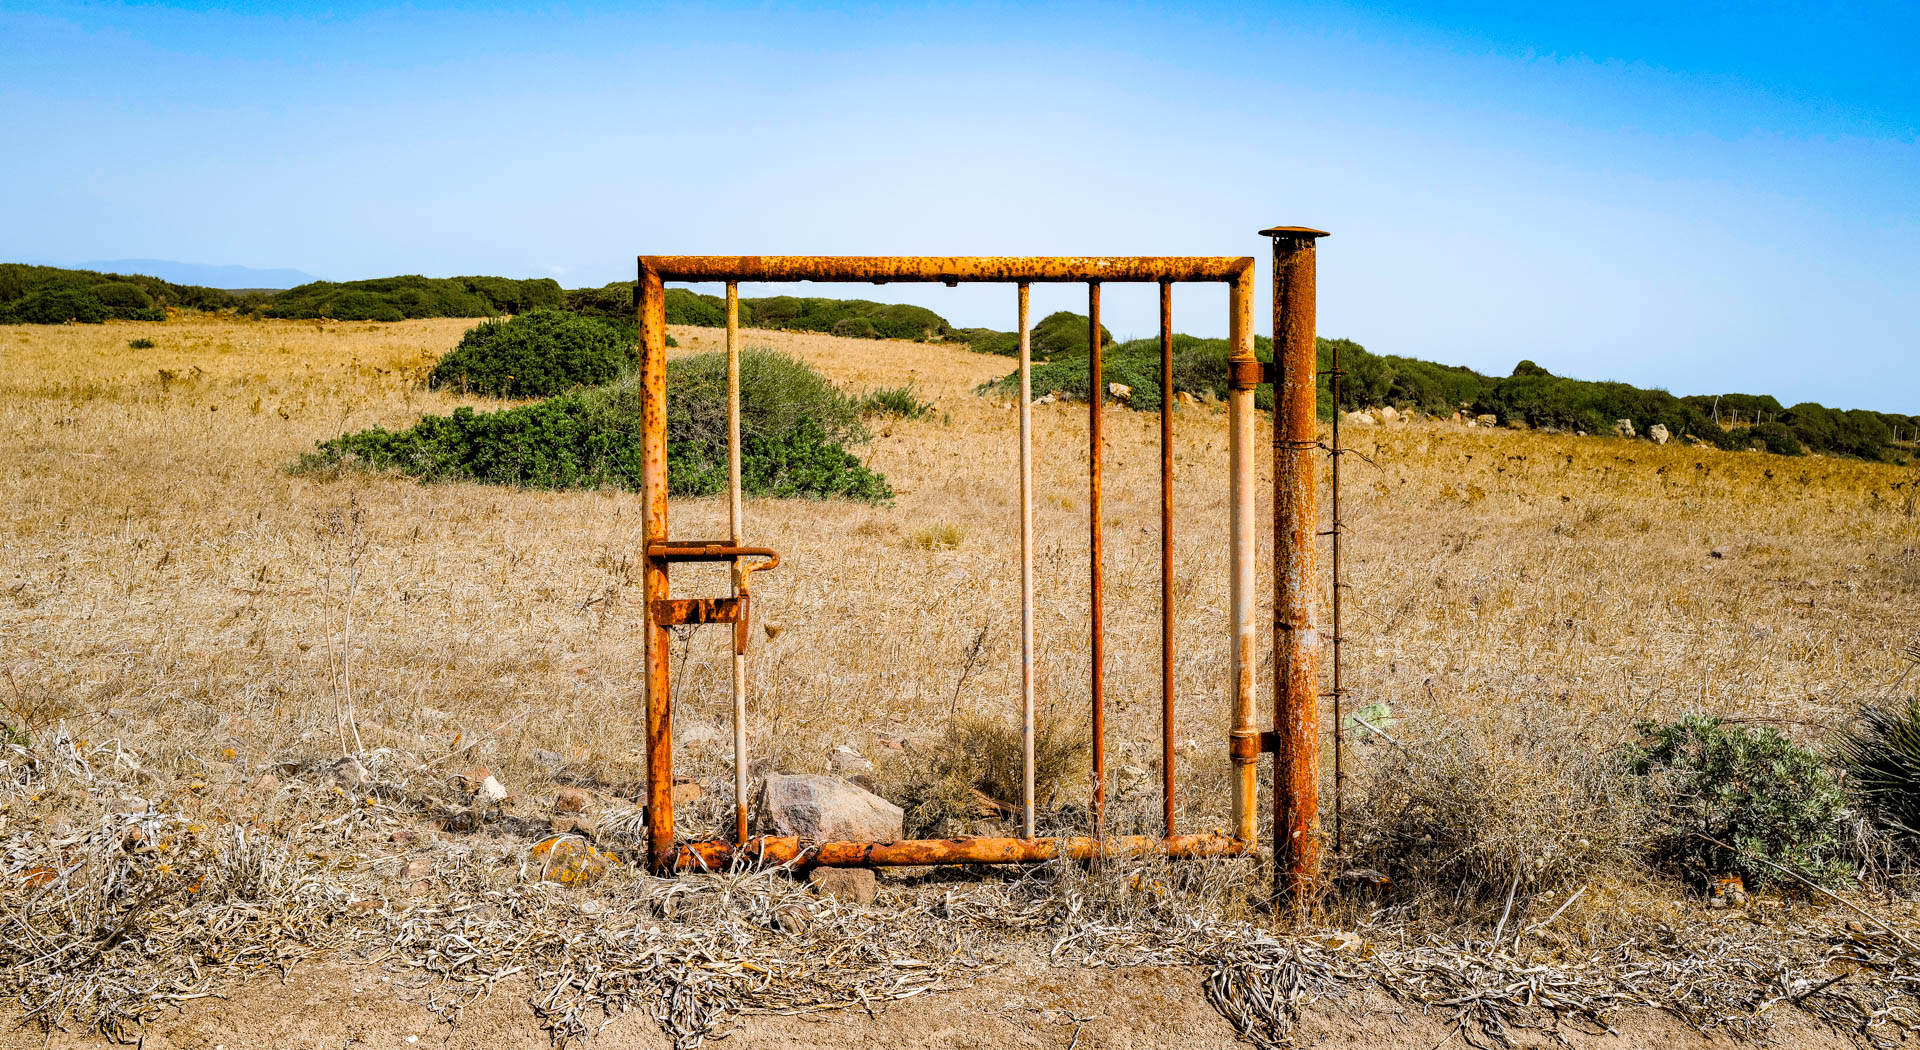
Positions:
{"x": 736, "y": 526}
{"x": 1245, "y": 651}
{"x": 1166, "y": 555}
{"x": 1097, "y": 613}
{"x": 1026, "y": 563}
{"x": 651, "y": 302}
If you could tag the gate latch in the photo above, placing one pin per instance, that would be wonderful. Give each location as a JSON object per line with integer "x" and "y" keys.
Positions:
{"x": 673, "y": 612}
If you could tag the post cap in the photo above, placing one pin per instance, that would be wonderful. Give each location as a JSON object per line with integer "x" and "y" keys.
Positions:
{"x": 1293, "y": 231}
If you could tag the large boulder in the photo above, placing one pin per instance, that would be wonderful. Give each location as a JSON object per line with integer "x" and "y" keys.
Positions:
{"x": 1659, "y": 433}
{"x": 820, "y": 808}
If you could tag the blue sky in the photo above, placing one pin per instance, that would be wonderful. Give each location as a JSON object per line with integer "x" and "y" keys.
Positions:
{"x": 1724, "y": 198}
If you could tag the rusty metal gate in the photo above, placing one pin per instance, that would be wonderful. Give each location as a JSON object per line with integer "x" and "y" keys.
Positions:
{"x": 1294, "y": 736}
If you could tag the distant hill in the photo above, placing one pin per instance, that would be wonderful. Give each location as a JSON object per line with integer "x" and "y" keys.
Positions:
{"x": 50, "y": 295}
{"x": 231, "y": 278}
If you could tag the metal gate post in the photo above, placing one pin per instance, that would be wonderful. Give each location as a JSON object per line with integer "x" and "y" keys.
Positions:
{"x": 1296, "y": 635}
{"x": 651, "y": 300}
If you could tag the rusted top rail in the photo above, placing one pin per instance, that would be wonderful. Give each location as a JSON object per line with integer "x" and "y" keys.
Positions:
{"x": 881, "y": 269}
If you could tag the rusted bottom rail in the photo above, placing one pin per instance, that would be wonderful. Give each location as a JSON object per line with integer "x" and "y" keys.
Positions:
{"x": 773, "y": 849}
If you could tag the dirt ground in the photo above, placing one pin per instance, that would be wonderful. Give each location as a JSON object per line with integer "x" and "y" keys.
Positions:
{"x": 166, "y": 584}
{"x": 337, "y": 1007}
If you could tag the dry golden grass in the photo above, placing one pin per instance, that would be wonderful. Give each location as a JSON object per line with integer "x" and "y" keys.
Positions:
{"x": 164, "y": 579}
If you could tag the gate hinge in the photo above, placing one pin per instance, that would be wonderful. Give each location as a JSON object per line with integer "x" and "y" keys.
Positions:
{"x": 1246, "y": 746}
{"x": 1245, "y": 375}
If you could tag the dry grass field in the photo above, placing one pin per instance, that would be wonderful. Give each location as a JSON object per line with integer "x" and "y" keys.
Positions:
{"x": 1516, "y": 599}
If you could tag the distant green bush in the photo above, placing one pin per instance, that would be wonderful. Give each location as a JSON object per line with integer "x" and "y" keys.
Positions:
{"x": 888, "y": 320}
{"x": 683, "y": 306}
{"x": 1776, "y": 438}
{"x": 400, "y": 298}
{"x": 536, "y": 354}
{"x": 50, "y": 295}
{"x": 142, "y": 343}
{"x": 793, "y": 425}
{"x": 1725, "y": 798}
{"x": 1060, "y": 333}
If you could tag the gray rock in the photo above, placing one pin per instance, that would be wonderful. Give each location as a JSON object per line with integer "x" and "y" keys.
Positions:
{"x": 349, "y": 773}
{"x": 1623, "y": 427}
{"x": 847, "y": 762}
{"x": 1389, "y": 415}
{"x": 854, "y": 885}
{"x": 1359, "y": 419}
{"x": 1659, "y": 433}
{"x": 820, "y": 808}
{"x": 1486, "y": 419}
{"x": 698, "y": 735}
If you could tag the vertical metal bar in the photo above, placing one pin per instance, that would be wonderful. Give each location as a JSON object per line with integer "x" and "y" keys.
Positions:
{"x": 1166, "y": 554}
{"x": 1096, "y": 394}
{"x": 652, "y": 305}
{"x": 1026, "y": 564}
{"x": 1296, "y": 636}
{"x": 1243, "y": 736}
{"x": 1333, "y": 500}
{"x": 736, "y": 525}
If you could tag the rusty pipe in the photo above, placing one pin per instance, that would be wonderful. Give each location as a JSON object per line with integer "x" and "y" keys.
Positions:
{"x": 943, "y": 269}
{"x": 1245, "y": 651}
{"x": 719, "y": 855}
{"x": 1096, "y": 397}
{"x": 1166, "y": 555}
{"x": 1296, "y": 635}
{"x": 651, "y": 302}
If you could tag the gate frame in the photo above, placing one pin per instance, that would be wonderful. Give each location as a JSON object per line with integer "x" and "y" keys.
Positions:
{"x": 1296, "y": 642}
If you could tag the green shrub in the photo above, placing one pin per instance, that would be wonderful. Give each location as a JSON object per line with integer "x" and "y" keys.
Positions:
{"x": 49, "y": 295}
{"x": 536, "y": 354}
{"x": 399, "y": 298}
{"x": 1765, "y": 797}
{"x": 900, "y": 401}
{"x": 1059, "y": 333}
{"x": 1880, "y": 756}
{"x": 142, "y": 343}
{"x": 57, "y": 306}
{"x": 1776, "y": 438}
{"x": 793, "y": 423}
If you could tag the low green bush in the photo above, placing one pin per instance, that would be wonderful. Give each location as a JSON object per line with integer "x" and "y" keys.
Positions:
{"x": 142, "y": 343}
{"x": 535, "y": 354}
{"x": 56, "y": 306}
{"x": 1060, "y": 333}
{"x": 1725, "y": 799}
{"x": 794, "y": 426}
{"x": 902, "y": 402}
{"x": 1776, "y": 438}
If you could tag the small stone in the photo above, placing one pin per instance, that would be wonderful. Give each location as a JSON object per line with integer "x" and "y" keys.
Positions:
{"x": 549, "y": 759}
{"x": 698, "y": 735}
{"x": 846, "y": 761}
{"x": 572, "y": 800}
{"x": 349, "y": 773}
{"x": 404, "y": 837}
{"x": 1359, "y": 419}
{"x": 461, "y": 819}
{"x": 264, "y": 786}
{"x": 572, "y": 825}
{"x": 1389, "y": 415}
{"x": 854, "y": 885}
{"x": 418, "y": 868}
{"x": 1184, "y": 398}
{"x": 1047, "y": 399}
{"x": 1487, "y": 419}
{"x": 685, "y": 791}
{"x": 1133, "y": 777}
{"x": 362, "y": 907}
{"x": 1719, "y": 552}
{"x": 568, "y": 860}
{"x": 1623, "y": 428}
{"x": 1659, "y": 433}
{"x": 1120, "y": 391}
